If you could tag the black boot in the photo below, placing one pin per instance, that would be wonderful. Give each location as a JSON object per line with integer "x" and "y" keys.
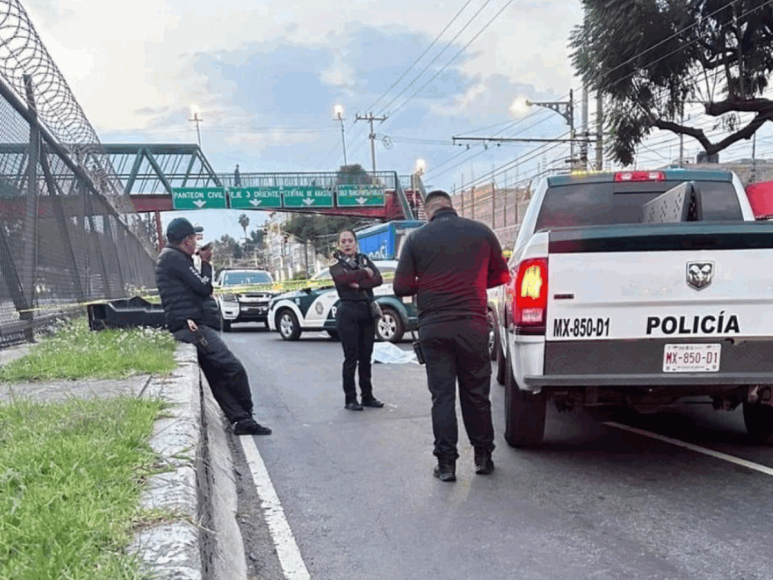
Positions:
{"x": 445, "y": 470}
{"x": 353, "y": 405}
{"x": 371, "y": 401}
{"x": 483, "y": 463}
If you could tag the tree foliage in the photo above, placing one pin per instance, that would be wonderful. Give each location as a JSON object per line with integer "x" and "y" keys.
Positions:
{"x": 225, "y": 249}
{"x": 244, "y": 221}
{"x": 320, "y": 230}
{"x": 648, "y": 57}
{"x": 353, "y": 174}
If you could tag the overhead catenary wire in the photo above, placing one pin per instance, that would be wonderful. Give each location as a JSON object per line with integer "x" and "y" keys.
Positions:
{"x": 361, "y": 136}
{"x": 426, "y": 50}
{"x": 459, "y": 52}
{"x": 684, "y": 47}
{"x": 385, "y": 108}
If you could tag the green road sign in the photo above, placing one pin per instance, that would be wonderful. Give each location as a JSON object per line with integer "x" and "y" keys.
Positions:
{"x": 255, "y": 197}
{"x": 360, "y": 195}
{"x": 306, "y": 196}
{"x": 198, "y": 198}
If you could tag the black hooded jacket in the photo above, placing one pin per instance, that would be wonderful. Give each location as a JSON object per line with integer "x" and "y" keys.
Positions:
{"x": 183, "y": 290}
{"x": 345, "y": 270}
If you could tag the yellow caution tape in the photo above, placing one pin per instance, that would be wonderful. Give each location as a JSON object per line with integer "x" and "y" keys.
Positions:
{"x": 153, "y": 297}
{"x": 280, "y": 287}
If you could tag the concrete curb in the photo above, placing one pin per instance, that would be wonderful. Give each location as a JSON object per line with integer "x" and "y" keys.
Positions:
{"x": 203, "y": 542}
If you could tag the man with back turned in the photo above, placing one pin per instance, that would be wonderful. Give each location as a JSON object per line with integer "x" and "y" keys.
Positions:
{"x": 449, "y": 264}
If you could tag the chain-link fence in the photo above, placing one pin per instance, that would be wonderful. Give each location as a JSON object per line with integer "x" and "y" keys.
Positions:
{"x": 65, "y": 238}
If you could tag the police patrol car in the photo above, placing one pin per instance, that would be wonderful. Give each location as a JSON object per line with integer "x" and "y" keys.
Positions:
{"x": 314, "y": 308}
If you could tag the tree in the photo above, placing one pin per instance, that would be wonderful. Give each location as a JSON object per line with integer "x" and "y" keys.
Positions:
{"x": 353, "y": 174}
{"x": 223, "y": 250}
{"x": 257, "y": 237}
{"x": 318, "y": 229}
{"x": 649, "y": 57}
{"x": 244, "y": 221}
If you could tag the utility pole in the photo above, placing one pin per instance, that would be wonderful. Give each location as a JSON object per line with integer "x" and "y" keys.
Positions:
{"x": 599, "y": 133}
{"x": 566, "y": 110}
{"x": 584, "y": 144}
{"x": 196, "y": 119}
{"x": 370, "y": 118}
{"x": 681, "y": 139}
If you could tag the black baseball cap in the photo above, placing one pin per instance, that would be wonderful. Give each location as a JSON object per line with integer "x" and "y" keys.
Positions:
{"x": 180, "y": 228}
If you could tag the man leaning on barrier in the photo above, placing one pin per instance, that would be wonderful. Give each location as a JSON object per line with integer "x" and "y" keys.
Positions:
{"x": 185, "y": 294}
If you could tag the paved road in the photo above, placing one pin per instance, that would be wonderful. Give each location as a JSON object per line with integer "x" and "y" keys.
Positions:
{"x": 594, "y": 502}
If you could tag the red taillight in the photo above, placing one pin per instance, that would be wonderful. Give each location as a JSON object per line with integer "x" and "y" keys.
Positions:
{"x": 640, "y": 176}
{"x": 530, "y": 293}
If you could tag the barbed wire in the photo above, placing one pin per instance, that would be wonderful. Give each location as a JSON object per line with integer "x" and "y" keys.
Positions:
{"x": 24, "y": 61}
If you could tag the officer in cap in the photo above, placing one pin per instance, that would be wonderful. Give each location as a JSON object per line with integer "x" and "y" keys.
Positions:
{"x": 185, "y": 293}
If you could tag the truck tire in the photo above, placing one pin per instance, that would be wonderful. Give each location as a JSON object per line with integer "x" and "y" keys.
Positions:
{"x": 493, "y": 336}
{"x": 501, "y": 368}
{"x": 758, "y": 419}
{"x": 226, "y": 326}
{"x": 524, "y": 413}
{"x": 287, "y": 324}
{"x": 389, "y": 328}
{"x": 333, "y": 334}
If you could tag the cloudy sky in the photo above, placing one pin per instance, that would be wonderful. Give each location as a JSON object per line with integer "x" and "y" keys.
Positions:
{"x": 266, "y": 78}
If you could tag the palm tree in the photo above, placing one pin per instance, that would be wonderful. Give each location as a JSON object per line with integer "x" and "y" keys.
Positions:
{"x": 244, "y": 221}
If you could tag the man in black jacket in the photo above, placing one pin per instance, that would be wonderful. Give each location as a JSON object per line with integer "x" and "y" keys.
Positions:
{"x": 185, "y": 295}
{"x": 449, "y": 264}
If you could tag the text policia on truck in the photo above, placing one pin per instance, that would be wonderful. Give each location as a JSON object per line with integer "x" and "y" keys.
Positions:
{"x": 638, "y": 289}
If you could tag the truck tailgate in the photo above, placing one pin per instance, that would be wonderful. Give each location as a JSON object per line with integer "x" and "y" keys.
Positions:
{"x": 664, "y": 300}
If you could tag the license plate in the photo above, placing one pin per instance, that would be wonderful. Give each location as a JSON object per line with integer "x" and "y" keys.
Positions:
{"x": 691, "y": 358}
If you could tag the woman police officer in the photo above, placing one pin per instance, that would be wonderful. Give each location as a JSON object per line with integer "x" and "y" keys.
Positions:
{"x": 355, "y": 276}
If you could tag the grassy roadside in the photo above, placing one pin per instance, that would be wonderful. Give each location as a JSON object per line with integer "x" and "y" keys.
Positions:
{"x": 71, "y": 473}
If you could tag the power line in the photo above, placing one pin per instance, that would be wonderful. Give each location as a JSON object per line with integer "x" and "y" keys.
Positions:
{"x": 450, "y": 43}
{"x": 454, "y": 58}
{"x": 442, "y": 32}
{"x": 359, "y": 139}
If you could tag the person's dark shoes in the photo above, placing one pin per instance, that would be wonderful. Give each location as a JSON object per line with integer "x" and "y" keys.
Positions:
{"x": 353, "y": 406}
{"x": 372, "y": 402}
{"x": 483, "y": 462}
{"x": 250, "y": 427}
{"x": 445, "y": 471}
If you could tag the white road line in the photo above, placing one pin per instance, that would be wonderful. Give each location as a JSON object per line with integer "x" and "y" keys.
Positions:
{"x": 696, "y": 448}
{"x": 289, "y": 555}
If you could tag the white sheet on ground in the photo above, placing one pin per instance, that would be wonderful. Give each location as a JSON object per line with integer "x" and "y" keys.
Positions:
{"x": 388, "y": 353}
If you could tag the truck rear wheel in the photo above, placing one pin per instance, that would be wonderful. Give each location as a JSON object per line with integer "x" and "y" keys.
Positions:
{"x": 493, "y": 336}
{"x": 758, "y": 419}
{"x": 524, "y": 413}
{"x": 501, "y": 368}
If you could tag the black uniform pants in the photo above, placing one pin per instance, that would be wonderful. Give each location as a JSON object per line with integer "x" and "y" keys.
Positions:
{"x": 458, "y": 350}
{"x": 225, "y": 374}
{"x": 357, "y": 331}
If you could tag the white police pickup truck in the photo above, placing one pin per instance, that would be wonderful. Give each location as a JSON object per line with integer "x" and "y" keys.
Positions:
{"x": 314, "y": 308}
{"x": 640, "y": 289}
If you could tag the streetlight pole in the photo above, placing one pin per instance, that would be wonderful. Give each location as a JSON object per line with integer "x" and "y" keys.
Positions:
{"x": 566, "y": 110}
{"x": 338, "y": 111}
